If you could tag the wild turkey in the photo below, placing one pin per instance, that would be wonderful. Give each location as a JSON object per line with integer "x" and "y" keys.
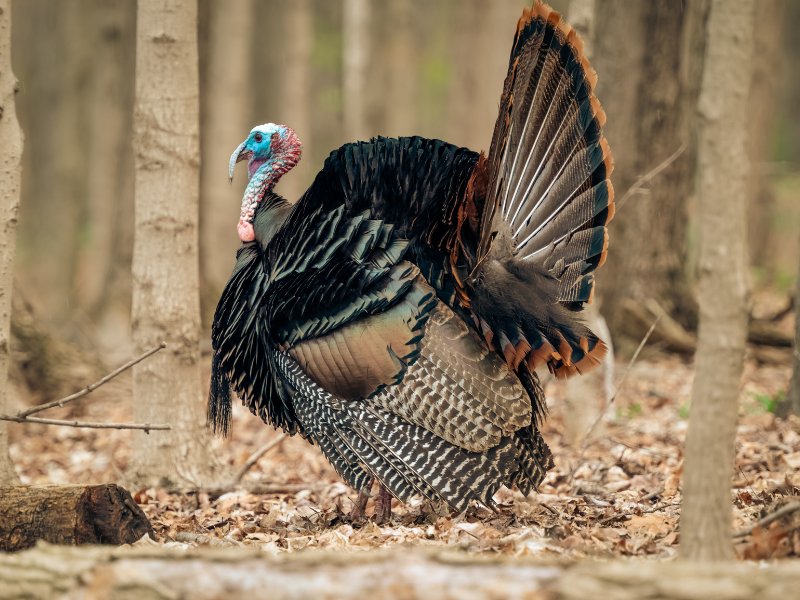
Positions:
{"x": 394, "y": 314}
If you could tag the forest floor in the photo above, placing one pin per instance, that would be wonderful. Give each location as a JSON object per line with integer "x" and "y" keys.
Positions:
{"x": 622, "y": 498}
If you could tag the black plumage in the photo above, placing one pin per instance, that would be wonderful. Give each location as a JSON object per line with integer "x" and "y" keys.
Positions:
{"x": 395, "y": 313}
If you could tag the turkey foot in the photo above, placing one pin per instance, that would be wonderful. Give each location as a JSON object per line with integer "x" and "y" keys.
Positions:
{"x": 383, "y": 505}
{"x": 357, "y": 512}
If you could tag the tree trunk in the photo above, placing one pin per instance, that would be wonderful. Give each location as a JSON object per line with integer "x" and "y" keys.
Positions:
{"x": 582, "y": 19}
{"x": 400, "y": 100}
{"x": 792, "y": 403}
{"x": 581, "y": 408}
{"x": 647, "y": 56}
{"x": 56, "y": 73}
{"x": 356, "y": 31}
{"x": 226, "y": 122}
{"x": 104, "y": 265}
{"x": 296, "y": 93}
{"x": 166, "y": 306}
{"x": 483, "y": 35}
{"x": 10, "y": 176}
{"x": 723, "y": 283}
{"x": 69, "y": 514}
{"x": 761, "y": 133}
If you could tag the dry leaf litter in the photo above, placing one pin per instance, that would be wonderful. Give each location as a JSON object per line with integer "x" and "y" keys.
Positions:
{"x": 623, "y": 498}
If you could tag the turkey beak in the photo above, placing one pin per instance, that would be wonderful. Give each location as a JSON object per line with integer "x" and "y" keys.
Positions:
{"x": 241, "y": 153}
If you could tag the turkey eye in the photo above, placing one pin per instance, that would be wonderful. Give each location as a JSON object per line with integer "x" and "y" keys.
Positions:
{"x": 258, "y": 138}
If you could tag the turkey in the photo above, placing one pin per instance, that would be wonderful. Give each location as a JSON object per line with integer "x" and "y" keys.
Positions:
{"x": 395, "y": 314}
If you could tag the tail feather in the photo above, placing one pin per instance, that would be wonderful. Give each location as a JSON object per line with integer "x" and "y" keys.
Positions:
{"x": 542, "y": 230}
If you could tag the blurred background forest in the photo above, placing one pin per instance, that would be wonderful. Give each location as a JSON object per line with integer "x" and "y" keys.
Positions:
{"x": 338, "y": 71}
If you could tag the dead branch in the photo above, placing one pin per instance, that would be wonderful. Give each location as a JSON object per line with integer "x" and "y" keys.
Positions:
{"x": 266, "y": 489}
{"x": 24, "y": 416}
{"x": 653, "y": 494}
{"x": 146, "y": 426}
{"x": 91, "y": 388}
{"x": 255, "y": 457}
{"x": 632, "y": 513}
{"x": 669, "y": 332}
{"x": 783, "y": 511}
{"x": 649, "y": 176}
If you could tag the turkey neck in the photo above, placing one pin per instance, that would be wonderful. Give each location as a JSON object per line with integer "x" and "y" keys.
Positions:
{"x": 262, "y": 182}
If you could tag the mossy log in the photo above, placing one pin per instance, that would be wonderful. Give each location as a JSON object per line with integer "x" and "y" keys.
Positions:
{"x": 69, "y": 514}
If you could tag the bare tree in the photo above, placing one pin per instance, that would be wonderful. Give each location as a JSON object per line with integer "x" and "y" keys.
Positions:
{"x": 761, "y": 131}
{"x": 166, "y": 302}
{"x": 648, "y": 56}
{"x": 401, "y": 86}
{"x": 105, "y": 258}
{"x": 57, "y": 72}
{"x": 10, "y": 178}
{"x": 296, "y": 92}
{"x": 483, "y": 34}
{"x": 723, "y": 282}
{"x": 356, "y": 30}
{"x": 226, "y": 121}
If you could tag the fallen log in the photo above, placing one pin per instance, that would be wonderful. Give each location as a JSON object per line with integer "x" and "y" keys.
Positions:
{"x": 670, "y": 333}
{"x": 47, "y": 572}
{"x": 69, "y": 514}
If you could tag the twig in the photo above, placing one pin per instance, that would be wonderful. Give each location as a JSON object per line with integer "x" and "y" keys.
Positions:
{"x": 630, "y": 514}
{"x": 146, "y": 426}
{"x": 647, "y": 178}
{"x": 633, "y": 446}
{"x": 785, "y": 510}
{"x": 550, "y": 508}
{"x": 588, "y": 435}
{"x": 254, "y": 458}
{"x": 749, "y": 485}
{"x": 283, "y": 488}
{"x": 653, "y": 494}
{"x": 91, "y": 388}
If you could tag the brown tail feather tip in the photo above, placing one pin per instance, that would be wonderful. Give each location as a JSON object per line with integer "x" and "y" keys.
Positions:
{"x": 540, "y": 355}
{"x": 604, "y": 253}
{"x": 565, "y": 350}
{"x": 598, "y": 111}
{"x": 612, "y": 207}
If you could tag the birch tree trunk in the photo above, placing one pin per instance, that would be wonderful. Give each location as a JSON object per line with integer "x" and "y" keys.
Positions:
{"x": 296, "y": 93}
{"x": 166, "y": 304}
{"x": 225, "y": 124}
{"x": 356, "y": 29}
{"x": 10, "y": 176}
{"x": 723, "y": 283}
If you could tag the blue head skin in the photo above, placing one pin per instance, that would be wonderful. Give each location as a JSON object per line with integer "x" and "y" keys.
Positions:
{"x": 271, "y": 150}
{"x": 257, "y": 148}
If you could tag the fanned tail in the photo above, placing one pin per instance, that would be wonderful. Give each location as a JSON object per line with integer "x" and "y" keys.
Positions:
{"x": 545, "y": 199}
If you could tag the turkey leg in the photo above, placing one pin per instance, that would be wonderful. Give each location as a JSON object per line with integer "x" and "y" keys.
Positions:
{"x": 357, "y": 512}
{"x": 383, "y": 505}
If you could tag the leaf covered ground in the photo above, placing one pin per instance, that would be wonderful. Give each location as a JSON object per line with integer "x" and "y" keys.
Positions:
{"x": 621, "y": 499}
